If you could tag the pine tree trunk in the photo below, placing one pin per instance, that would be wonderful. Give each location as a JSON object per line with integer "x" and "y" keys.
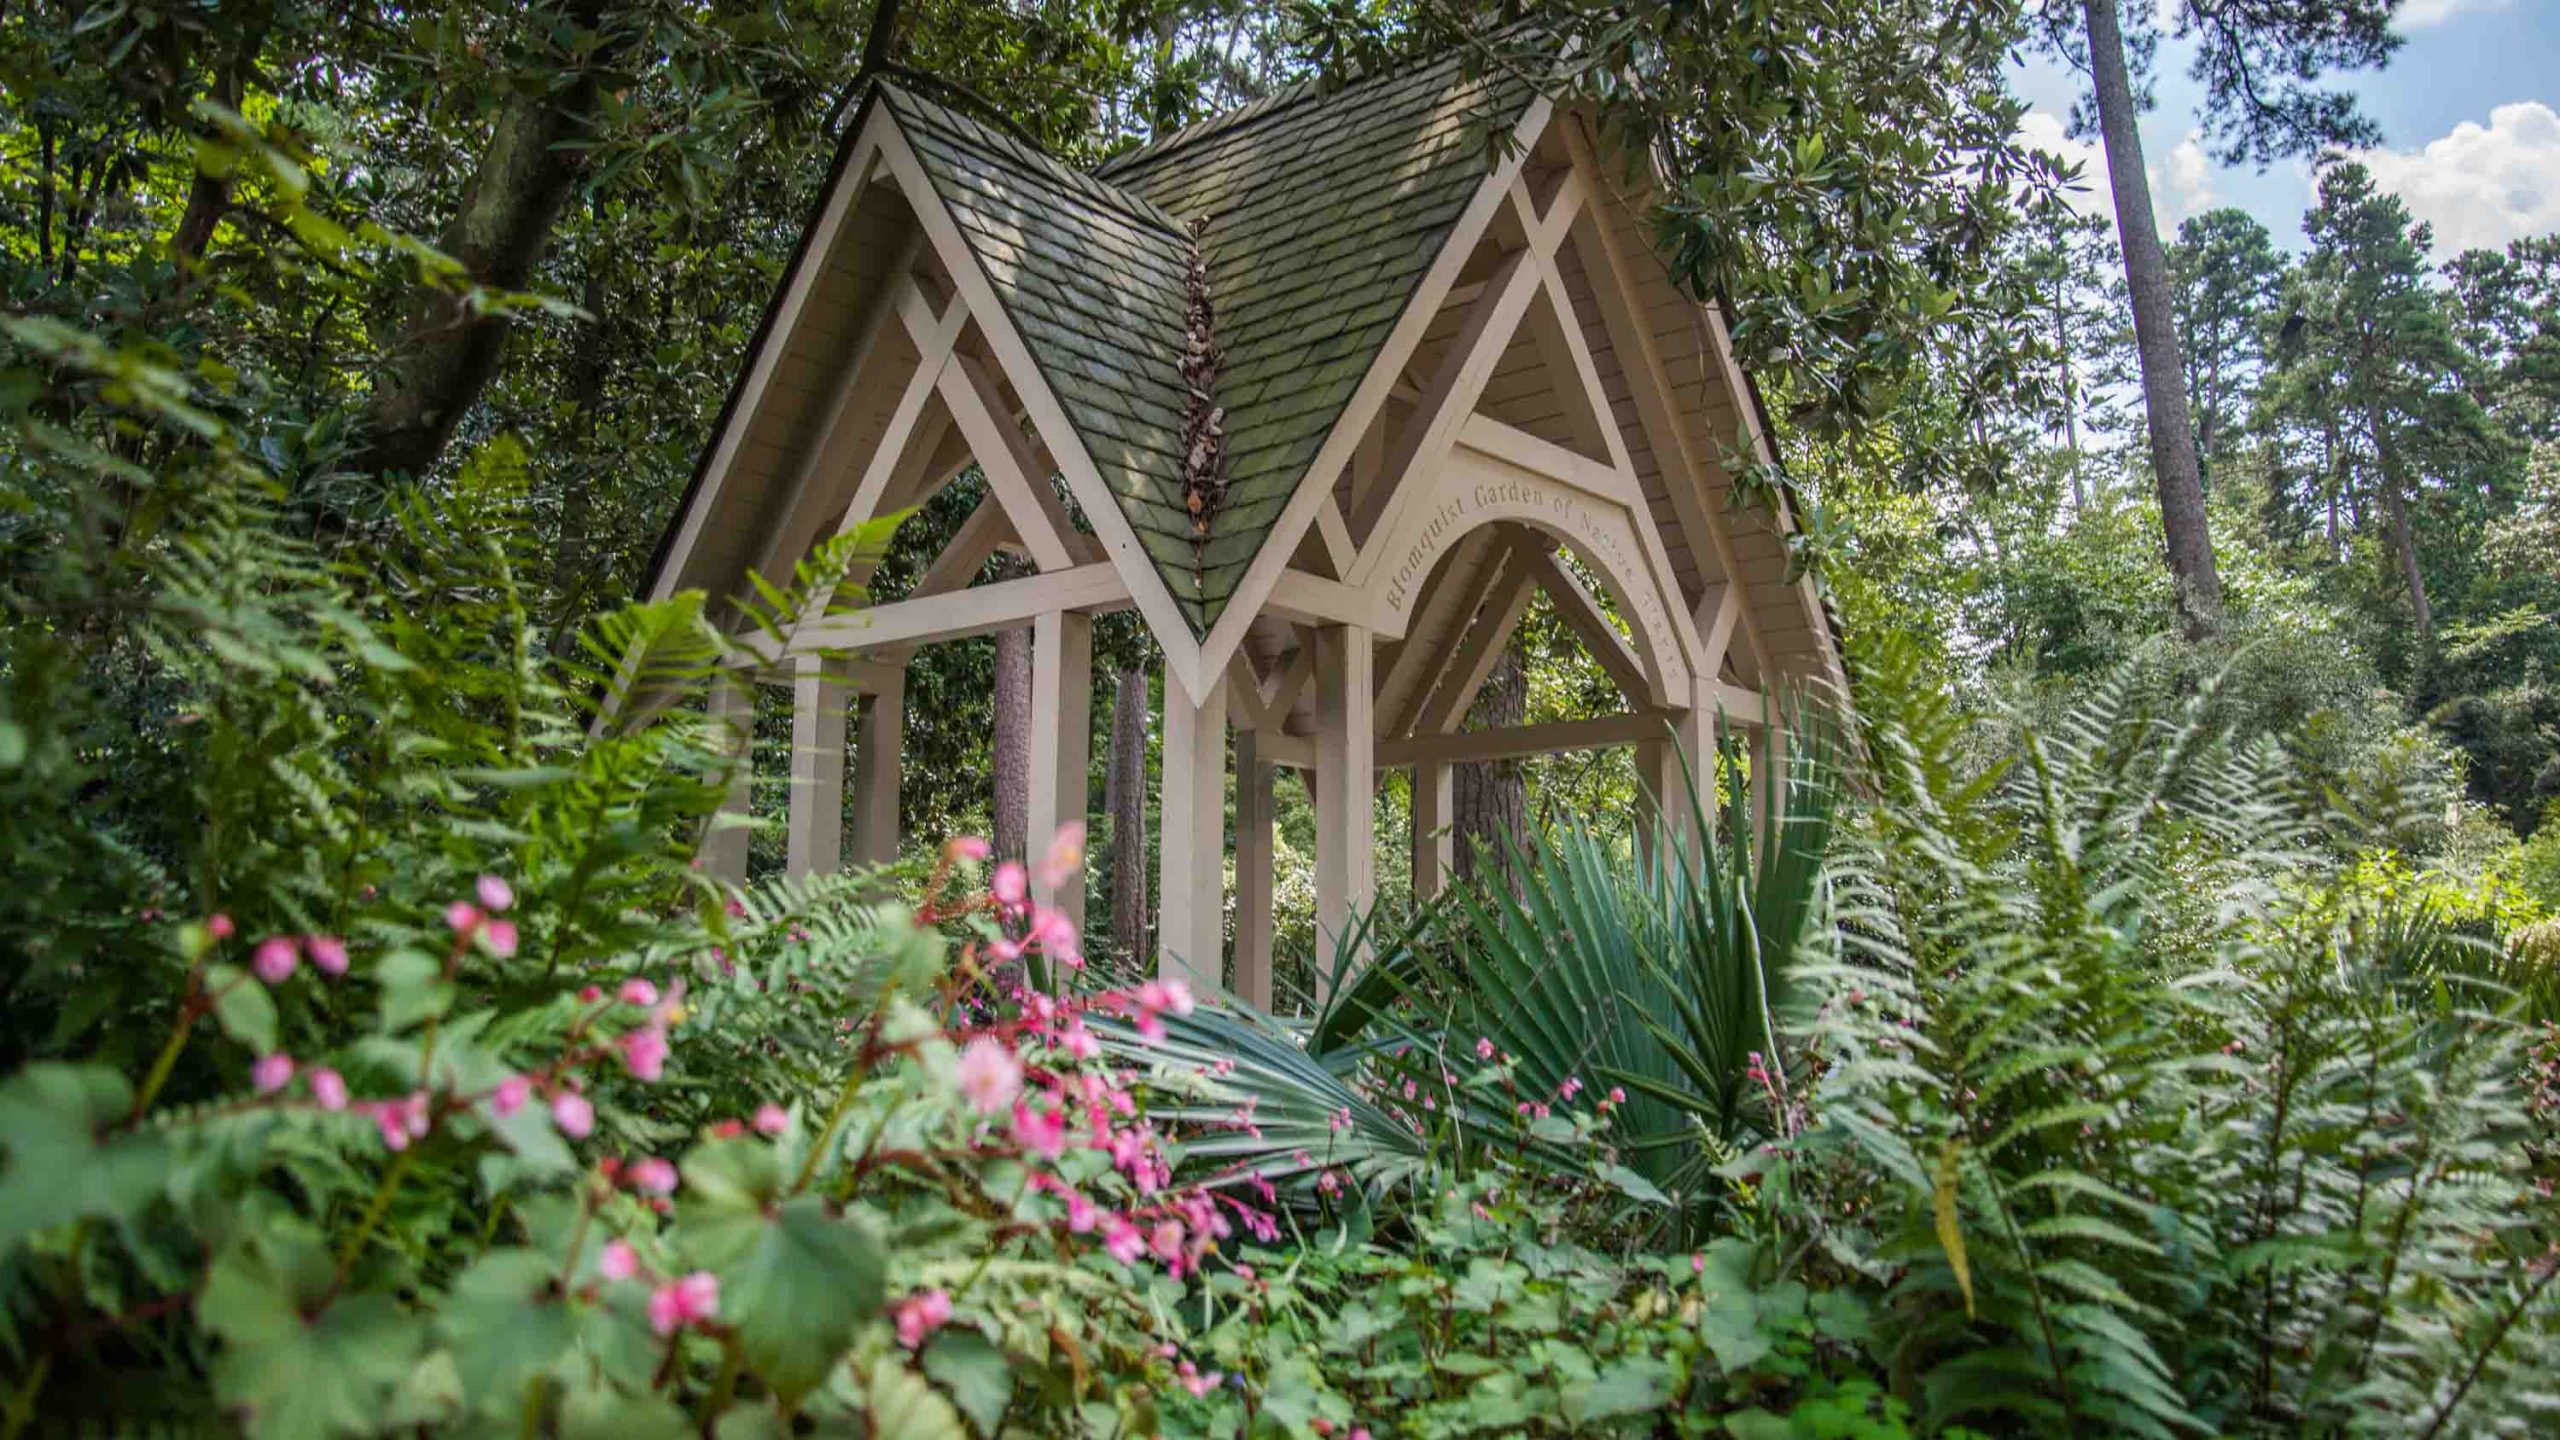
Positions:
{"x": 446, "y": 355}
{"x": 1125, "y": 800}
{"x": 2395, "y": 509}
{"x": 1489, "y": 800}
{"x": 589, "y": 368}
{"x": 2155, "y": 332}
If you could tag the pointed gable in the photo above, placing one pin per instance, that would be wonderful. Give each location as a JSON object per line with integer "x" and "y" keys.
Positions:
{"x": 1320, "y": 211}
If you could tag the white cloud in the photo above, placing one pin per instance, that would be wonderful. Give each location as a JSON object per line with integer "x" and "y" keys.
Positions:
{"x": 2420, "y": 14}
{"x": 2481, "y": 186}
{"x": 2180, "y": 187}
{"x": 2188, "y": 190}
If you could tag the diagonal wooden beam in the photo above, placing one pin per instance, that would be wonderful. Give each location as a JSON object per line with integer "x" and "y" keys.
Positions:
{"x": 1445, "y": 708}
{"x": 1010, "y": 462}
{"x": 978, "y": 538}
{"x": 1446, "y": 403}
{"x": 963, "y": 613}
{"x": 1580, "y": 610}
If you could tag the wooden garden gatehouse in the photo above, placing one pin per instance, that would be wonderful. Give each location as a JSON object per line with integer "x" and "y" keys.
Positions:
{"x": 1326, "y": 390}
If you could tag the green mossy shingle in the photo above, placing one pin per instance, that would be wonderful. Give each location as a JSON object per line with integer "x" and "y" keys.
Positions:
{"x": 1322, "y": 212}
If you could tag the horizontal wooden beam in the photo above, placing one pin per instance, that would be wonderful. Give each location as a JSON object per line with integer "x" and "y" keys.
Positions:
{"x": 963, "y": 613}
{"x": 1307, "y": 599}
{"x": 1598, "y": 733}
{"x": 1516, "y": 446}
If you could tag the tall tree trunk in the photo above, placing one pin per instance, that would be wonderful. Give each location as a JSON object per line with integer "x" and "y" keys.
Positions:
{"x": 1124, "y": 797}
{"x": 1013, "y": 737}
{"x": 446, "y": 355}
{"x": 1489, "y": 800}
{"x": 2155, "y": 333}
{"x": 209, "y": 194}
{"x": 2395, "y": 509}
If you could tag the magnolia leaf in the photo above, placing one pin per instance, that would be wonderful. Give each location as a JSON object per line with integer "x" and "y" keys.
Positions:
{"x": 975, "y": 1371}
{"x": 1942, "y": 1201}
{"x": 904, "y": 1406}
{"x": 61, "y": 1163}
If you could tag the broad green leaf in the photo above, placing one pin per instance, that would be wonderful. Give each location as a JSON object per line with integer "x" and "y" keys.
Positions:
{"x": 506, "y": 1321}
{"x": 796, "y": 1284}
{"x": 975, "y": 1371}
{"x": 602, "y": 1414}
{"x": 61, "y": 1165}
{"x": 296, "y": 1363}
{"x": 242, "y": 1007}
{"x": 905, "y": 1406}
{"x": 1633, "y": 1386}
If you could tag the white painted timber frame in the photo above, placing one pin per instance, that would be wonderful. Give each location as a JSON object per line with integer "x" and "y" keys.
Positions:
{"x": 1425, "y": 527}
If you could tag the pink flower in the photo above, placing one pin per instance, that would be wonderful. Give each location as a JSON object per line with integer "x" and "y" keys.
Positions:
{"x": 510, "y": 1095}
{"x": 590, "y": 994}
{"x": 495, "y": 894}
{"x": 1080, "y": 1213}
{"x": 971, "y": 847}
{"x": 499, "y": 938}
{"x": 619, "y": 1261}
{"x": 1012, "y": 884}
{"x": 1697, "y": 1264}
{"x": 1167, "y": 1240}
{"x": 274, "y": 959}
{"x": 1122, "y": 1240}
{"x": 771, "y": 1119}
{"x": 1079, "y": 1042}
{"x": 1197, "y": 1382}
{"x": 1041, "y": 1132}
{"x": 653, "y": 1175}
{"x": 329, "y": 1088}
{"x": 271, "y": 1074}
{"x": 990, "y": 1076}
{"x": 462, "y": 917}
{"x": 918, "y": 1316}
{"x": 695, "y": 1297}
{"x": 1484, "y": 1048}
{"x": 392, "y": 1118}
{"x": 218, "y": 925}
{"x": 638, "y": 992}
{"x": 1617, "y": 1095}
{"x": 644, "y": 1052}
{"x": 573, "y": 1114}
{"x": 1065, "y": 857}
{"x": 327, "y": 952}
{"x": 1571, "y": 1087}
{"x": 1171, "y": 996}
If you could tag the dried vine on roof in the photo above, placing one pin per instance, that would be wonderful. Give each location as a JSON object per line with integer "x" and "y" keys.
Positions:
{"x": 1204, "y": 437}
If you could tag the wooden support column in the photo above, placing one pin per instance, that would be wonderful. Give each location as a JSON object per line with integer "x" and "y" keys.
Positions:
{"x": 1192, "y": 841}
{"x": 816, "y": 833}
{"x": 1254, "y": 776}
{"x": 724, "y": 845}
{"x": 1346, "y": 788}
{"x": 1435, "y": 844}
{"x": 1061, "y": 742}
{"x": 877, "y": 759}
{"x": 1677, "y": 774}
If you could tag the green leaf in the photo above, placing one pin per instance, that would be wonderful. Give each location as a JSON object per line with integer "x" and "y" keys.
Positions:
{"x": 61, "y": 1166}
{"x": 752, "y": 1422}
{"x": 294, "y": 1362}
{"x": 1942, "y": 1204}
{"x": 413, "y": 988}
{"x": 242, "y": 1007}
{"x": 975, "y": 1371}
{"x": 1634, "y": 1386}
{"x": 506, "y": 1321}
{"x": 905, "y": 1407}
{"x": 1634, "y": 1186}
{"x": 612, "y": 1415}
{"x": 796, "y": 1284}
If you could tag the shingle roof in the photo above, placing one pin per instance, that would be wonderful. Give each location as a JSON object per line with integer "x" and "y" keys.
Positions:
{"x": 1321, "y": 211}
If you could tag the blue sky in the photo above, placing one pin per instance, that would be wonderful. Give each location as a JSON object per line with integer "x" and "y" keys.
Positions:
{"x": 2470, "y": 117}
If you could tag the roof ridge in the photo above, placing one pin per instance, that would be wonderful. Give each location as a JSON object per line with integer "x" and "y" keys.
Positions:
{"x": 1288, "y": 97}
{"x": 1133, "y": 207}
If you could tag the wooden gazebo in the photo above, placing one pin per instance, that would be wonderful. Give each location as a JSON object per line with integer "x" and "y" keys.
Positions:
{"x": 1325, "y": 390}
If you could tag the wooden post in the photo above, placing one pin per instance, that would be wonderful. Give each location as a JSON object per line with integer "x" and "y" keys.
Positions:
{"x": 877, "y": 757}
{"x": 724, "y": 844}
{"x": 1254, "y": 777}
{"x": 1435, "y": 844}
{"x": 1192, "y": 841}
{"x": 1061, "y": 742}
{"x": 816, "y": 833}
{"x": 1346, "y": 789}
